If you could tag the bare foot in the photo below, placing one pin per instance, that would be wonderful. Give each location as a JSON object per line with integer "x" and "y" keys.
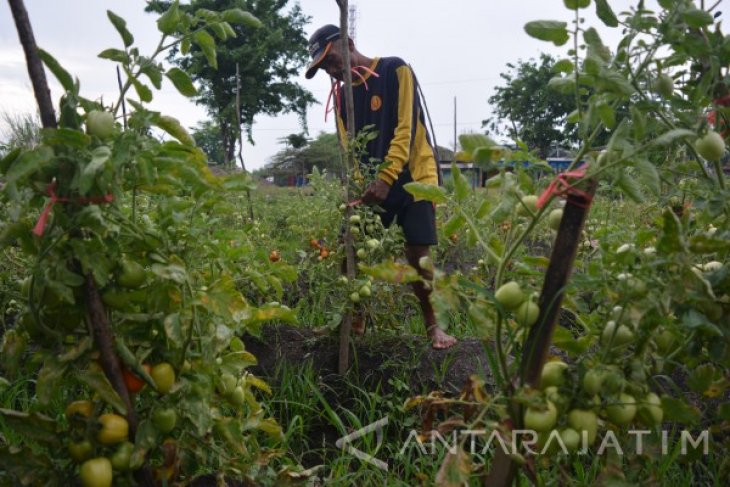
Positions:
{"x": 440, "y": 340}
{"x": 358, "y": 325}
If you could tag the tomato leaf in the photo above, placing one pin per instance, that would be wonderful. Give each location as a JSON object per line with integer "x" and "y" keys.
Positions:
{"x": 648, "y": 175}
{"x": 58, "y": 71}
{"x": 454, "y": 224}
{"x": 121, "y": 25}
{"x": 672, "y": 135}
{"x": 207, "y": 44}
{"x": 605, "y": 13}
{"x": 702, "y": 377}
{"x": 167, "y": 23}
{"x": 97, "y": 381}
{"x": 115, "y": 55}
{"x": 390, "y": 271}
{"x": 28, "y": 163}
{"x": 182, "y": 81}
{"x": 670, "y": 240}
{"x": 697, "y": 18}
{"x": 548, "y": 30}
{"x": 428, "y": 192}
{"x": 238, "y": 16}
{"x": 462, "y": 187}
{"x": 679, "y": 410}
{"x": 173, "y": 127}
{"x": 34, "y": 426}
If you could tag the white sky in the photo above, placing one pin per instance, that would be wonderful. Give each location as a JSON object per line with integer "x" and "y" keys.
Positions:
{"x": 457, "y": 48}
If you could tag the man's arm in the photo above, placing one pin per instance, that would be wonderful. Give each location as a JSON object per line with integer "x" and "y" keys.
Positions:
{"x": 400, "y": 146}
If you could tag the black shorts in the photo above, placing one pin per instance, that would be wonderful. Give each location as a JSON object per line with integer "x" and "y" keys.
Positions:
{"x": 416, "y": 218}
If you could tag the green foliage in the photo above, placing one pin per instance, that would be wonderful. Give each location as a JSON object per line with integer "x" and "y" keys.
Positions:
{"x": 120, "y": 268}
{"x": 265, "y": 39}
{"x": 525, "y": 110}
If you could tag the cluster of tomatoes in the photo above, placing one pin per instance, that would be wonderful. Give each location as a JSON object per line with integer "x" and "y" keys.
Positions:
{"x": 577, "y": 422}
{"x": 100, "y": 443}
{"x": 319, "y": 246}
{"x": 511, "y": 297}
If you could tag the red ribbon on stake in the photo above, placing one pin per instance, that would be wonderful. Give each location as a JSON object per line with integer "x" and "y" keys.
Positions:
{"x": 40, "y": 226}
{"x": 562, "y": 187}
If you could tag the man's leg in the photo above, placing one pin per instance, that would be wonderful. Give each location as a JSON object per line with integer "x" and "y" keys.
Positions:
{"x": 439, "y": 338}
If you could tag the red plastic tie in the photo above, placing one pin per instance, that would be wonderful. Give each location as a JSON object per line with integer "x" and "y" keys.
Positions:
{"x": 40, "y": 226}
{"x": 561, "y": 186}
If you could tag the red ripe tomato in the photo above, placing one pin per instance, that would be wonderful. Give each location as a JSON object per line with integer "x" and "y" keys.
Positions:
{"x": 132, "y": 381}
{"x": 274, "y": 256}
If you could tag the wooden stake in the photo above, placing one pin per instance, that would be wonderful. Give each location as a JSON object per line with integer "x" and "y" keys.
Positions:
{"x": 537, "y": 345}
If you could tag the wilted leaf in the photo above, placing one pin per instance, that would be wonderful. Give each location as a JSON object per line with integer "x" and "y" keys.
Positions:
{"x": 390, "y": 271}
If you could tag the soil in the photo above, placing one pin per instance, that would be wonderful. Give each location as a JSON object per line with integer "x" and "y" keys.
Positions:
{"x": 376, "y": 359}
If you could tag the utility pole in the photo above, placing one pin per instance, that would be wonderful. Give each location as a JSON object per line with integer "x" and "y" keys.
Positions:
{"x": 454, "y": 128}
{"x": 352, "y": 20}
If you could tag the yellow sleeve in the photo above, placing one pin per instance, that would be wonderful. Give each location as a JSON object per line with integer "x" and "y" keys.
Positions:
{"x": 400, "y": 147}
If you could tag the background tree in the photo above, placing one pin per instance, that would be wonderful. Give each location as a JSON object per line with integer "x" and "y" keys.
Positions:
{"x": 207, "y": 136}
{"x": 526, "y": 109}
{"x": 322, "y": 152}
{"x": 267, "y": 60}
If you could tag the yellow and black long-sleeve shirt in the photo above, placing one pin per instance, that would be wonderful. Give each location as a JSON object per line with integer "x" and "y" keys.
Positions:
{"x": 391, "y": 103}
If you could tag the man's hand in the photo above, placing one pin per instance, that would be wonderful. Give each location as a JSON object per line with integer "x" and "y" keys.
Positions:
{"x": 376, "y": 192}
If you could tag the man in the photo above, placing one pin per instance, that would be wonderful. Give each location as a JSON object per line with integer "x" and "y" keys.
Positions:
{"x": 385, "y": 96}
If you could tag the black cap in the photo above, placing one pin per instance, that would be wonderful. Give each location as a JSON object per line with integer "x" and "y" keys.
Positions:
{"x": 319, "y": 46}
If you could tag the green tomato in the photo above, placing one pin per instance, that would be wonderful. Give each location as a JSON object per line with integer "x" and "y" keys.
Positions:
{"x": 553, "y": 374}
{"x": 99, "y": 123}
{"x": 528, "y": 205}
{"x": 361, "y": 253}
{"x": 527, "y": 313}
{"x": 114, "y": 429}
{"x": 584, "y": 420}
{"x": 355, "y": 219}
{"x": 650, "y": 410}
{"x": 226, "y": 384}
{"x": 509, "y": 295}
{"x": 541, "y": 419}
{"x": 593, "y": 381}
{"x": 571, "y": 439}
{"x": 132, "y": 274}
{"x": 664, "y": 85}
{"x": 355, "y": 297}
{"x": 365, "y": 291}
{"x": 164, "y": 420}
{"x": 164, "y": 376}
{"x": 80, "y": 451}
{"x": 665, "y": 342}
{"x": 617, "y": 337}
{"x": 237, "y": 397}
{"x": 623, "y": 410}
{"x": 711, "y": 146}
{"x": 373, "y": 243}
{"x": 120, "y": 458}
{"x": 96, "y": 472}
{"x": 554, "y": 218}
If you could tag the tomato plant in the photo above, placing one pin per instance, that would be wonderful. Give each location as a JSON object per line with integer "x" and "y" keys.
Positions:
{"x": 114, "y": 225}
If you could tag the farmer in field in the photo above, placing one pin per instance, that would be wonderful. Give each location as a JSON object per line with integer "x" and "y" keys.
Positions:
{"x": 385, "y": 96}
